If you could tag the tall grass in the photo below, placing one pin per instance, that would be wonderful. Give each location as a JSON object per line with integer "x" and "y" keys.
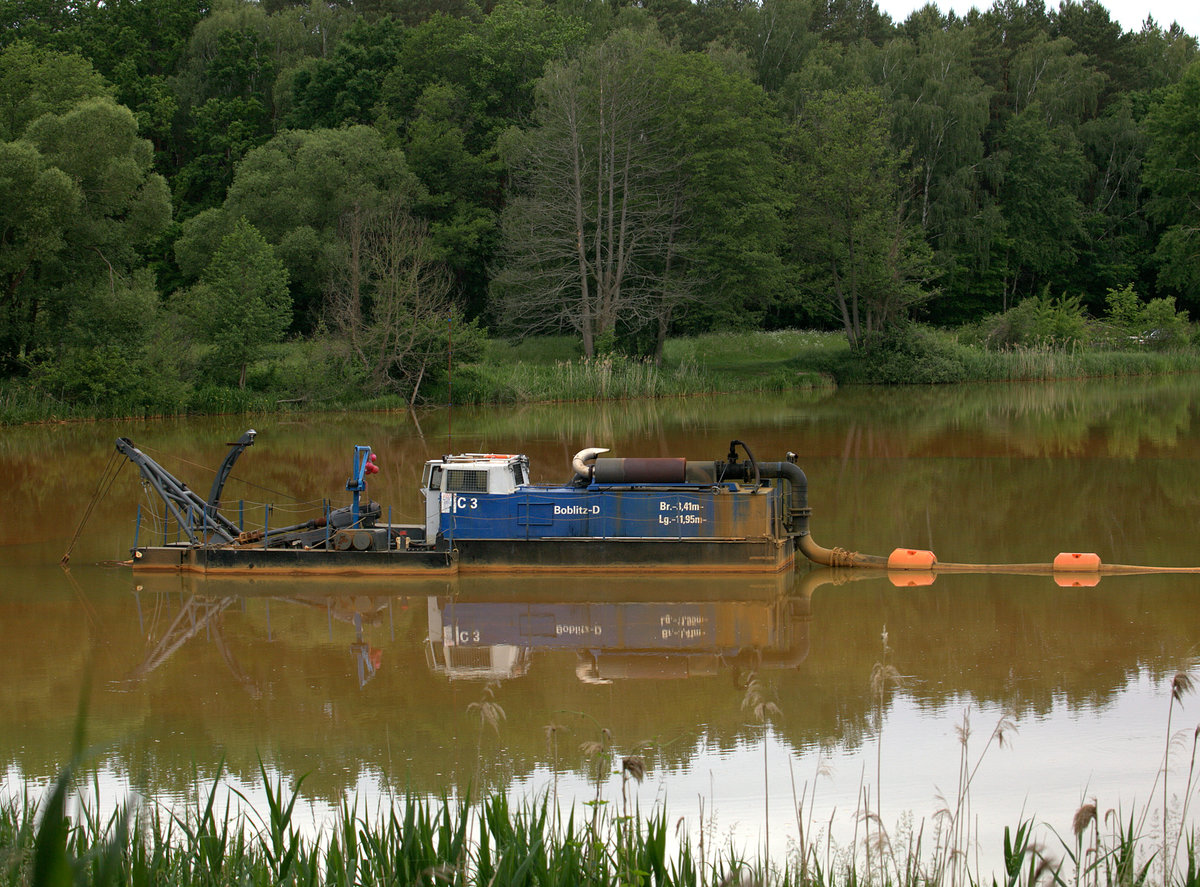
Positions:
{"x": 496, "y": 842}
{"x": 611, "y": 377}
{"x": 412, "y": 841}
{"x": 1045, "y": 362}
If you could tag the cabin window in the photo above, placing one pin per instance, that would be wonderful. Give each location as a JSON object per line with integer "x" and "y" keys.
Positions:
{"x": 435, "y": 477}
{"x": 518, "y": 475}
{"x": 466, "y": 480}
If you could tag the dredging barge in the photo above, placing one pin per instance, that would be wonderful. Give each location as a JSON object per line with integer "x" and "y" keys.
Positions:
{"x": 482, "y": 514}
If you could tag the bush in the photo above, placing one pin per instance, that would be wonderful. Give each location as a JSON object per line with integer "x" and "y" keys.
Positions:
{"x": 907, "y": 354}
{"x": 1037, "y": 321}
{"x": 1162, "y": 326}
{"x": 109, "y": 380}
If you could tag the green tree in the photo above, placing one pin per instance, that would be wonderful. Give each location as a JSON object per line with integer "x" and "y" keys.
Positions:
{"x": 861, "y": 252}
{"x": 242, "y": 302}
{"x": 725, "y": 139}
{"x": 1173, "y": 177}
{"x": 1118, "y": 245}
{"x": 294, "y": 190}
{"x": 939, "y": 109}
{"x": 226, "y": 91}
{"x": 139, "y": 45}
{"x": 499, "y": 62}
{"x": 1161, "y": 55}
{"x": 1091, "y": 30}
{"x": 1039, "y": 169}
{"x": 80, "y": 202}
{"x": 36, "y": 81}
{"x": 783, "y": 37}
{"x": 343, "y": 87}
{"x": 462, "y": 189}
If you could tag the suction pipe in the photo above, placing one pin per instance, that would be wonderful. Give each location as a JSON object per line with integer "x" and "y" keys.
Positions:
{"x": 796, "y": 521}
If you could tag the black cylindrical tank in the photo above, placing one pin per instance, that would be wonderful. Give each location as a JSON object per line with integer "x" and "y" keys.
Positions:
{"x": 640, "y": 471}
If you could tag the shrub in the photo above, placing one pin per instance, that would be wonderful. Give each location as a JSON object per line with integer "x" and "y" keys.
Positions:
{"x": 907, "y": 354}
{"x": 1036, "y": 321}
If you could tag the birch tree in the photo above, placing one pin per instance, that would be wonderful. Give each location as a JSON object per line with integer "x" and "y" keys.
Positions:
{"x": 591, "y": 217}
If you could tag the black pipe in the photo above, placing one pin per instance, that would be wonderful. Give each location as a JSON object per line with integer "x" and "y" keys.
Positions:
{"x": 732, "y": 459}
{"x": 213, "y": 506}
{"x": 798, "y": 512}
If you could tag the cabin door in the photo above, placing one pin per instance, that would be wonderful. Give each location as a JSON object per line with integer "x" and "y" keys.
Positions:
{"x": 432, "y": 491}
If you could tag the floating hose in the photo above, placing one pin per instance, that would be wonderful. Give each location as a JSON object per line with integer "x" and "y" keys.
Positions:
{"x": 1067, "y": 563}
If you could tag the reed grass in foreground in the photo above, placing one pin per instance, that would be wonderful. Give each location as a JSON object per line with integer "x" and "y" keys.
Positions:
{"x": 413, "y": 842}
{"x": 424, "y": 842}
{"x": 495, "y": 844}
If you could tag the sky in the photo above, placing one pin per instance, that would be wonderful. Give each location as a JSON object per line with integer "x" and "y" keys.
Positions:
{"x": 1128, "y": 13}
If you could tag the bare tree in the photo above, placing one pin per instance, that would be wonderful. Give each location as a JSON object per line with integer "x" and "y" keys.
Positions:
{"x": 390, "y": 299}
{"x": 591, "y": 225}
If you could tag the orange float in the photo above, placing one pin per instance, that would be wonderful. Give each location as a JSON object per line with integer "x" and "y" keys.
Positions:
{"x": 1076, "y": 580}
{"x": 1077, "y": 562}
{"x": 911, "y": 559}
{"x": 911, "y": 578}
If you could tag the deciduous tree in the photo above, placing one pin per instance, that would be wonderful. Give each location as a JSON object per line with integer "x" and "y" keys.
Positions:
{"x": 294, "y": 190}
{"x": 864, "y": 255}
{"x": 589, "y": 222}
{"x": 242, "y": 302}
{"x": 78, "y": 199}
{"x": 1173, "y": 175}
{"x": 390, "y": 300}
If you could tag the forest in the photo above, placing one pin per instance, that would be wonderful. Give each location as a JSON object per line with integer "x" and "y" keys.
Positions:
{"x": 186, "y": 185}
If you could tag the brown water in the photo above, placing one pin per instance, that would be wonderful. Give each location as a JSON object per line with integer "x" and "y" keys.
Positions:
{"x": 363, "y": 684}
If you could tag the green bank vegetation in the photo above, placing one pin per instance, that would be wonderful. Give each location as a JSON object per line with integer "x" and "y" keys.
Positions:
{"x": 242, "y": 205}
{"x": 1041, "y": 339}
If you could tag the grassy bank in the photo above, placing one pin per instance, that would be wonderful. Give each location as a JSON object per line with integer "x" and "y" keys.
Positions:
{"x": 550, "y": 369}
{"x": 298, "y": 376}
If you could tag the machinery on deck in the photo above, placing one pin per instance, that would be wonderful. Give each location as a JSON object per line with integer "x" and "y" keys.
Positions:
{"x": 482, "y": 513}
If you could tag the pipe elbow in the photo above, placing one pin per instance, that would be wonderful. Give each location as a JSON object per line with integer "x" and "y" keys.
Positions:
{"x": 584, "y": 461}
{"x": 836, "y": 557}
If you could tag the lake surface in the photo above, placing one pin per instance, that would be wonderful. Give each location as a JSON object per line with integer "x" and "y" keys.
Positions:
{"x": 355, "y": 684}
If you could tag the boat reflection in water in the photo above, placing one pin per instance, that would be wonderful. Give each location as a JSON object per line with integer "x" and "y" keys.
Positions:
{"x": 657, "y": 630}
{"x": 491, "y": 629}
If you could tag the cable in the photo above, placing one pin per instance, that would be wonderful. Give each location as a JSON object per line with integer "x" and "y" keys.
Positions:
{"x": 111, "y": 469}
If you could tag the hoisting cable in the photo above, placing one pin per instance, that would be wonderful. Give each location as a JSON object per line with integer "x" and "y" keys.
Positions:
{"x": 115, "y": 463}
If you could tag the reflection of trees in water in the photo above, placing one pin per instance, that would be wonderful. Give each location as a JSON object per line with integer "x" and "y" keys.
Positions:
{"x": 979, "y": 473}
{"x": 1019, "y": 643}
{"x": 53, "y": 468}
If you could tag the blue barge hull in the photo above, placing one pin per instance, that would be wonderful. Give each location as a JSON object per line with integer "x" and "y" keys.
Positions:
{"x": 482, "y": 514}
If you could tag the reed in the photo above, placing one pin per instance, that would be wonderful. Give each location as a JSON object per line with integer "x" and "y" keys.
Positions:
{"x": 611, "y": 377}
{"x": 63, "y": 840}
{"x": 414, "y": 841}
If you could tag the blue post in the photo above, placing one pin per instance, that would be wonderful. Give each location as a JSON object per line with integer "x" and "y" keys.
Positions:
{"x": 137, "y": 527}
{"x": 241, "y": 515}
{"x": 357, "y": 482}
{"x": 266, "y": 524}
